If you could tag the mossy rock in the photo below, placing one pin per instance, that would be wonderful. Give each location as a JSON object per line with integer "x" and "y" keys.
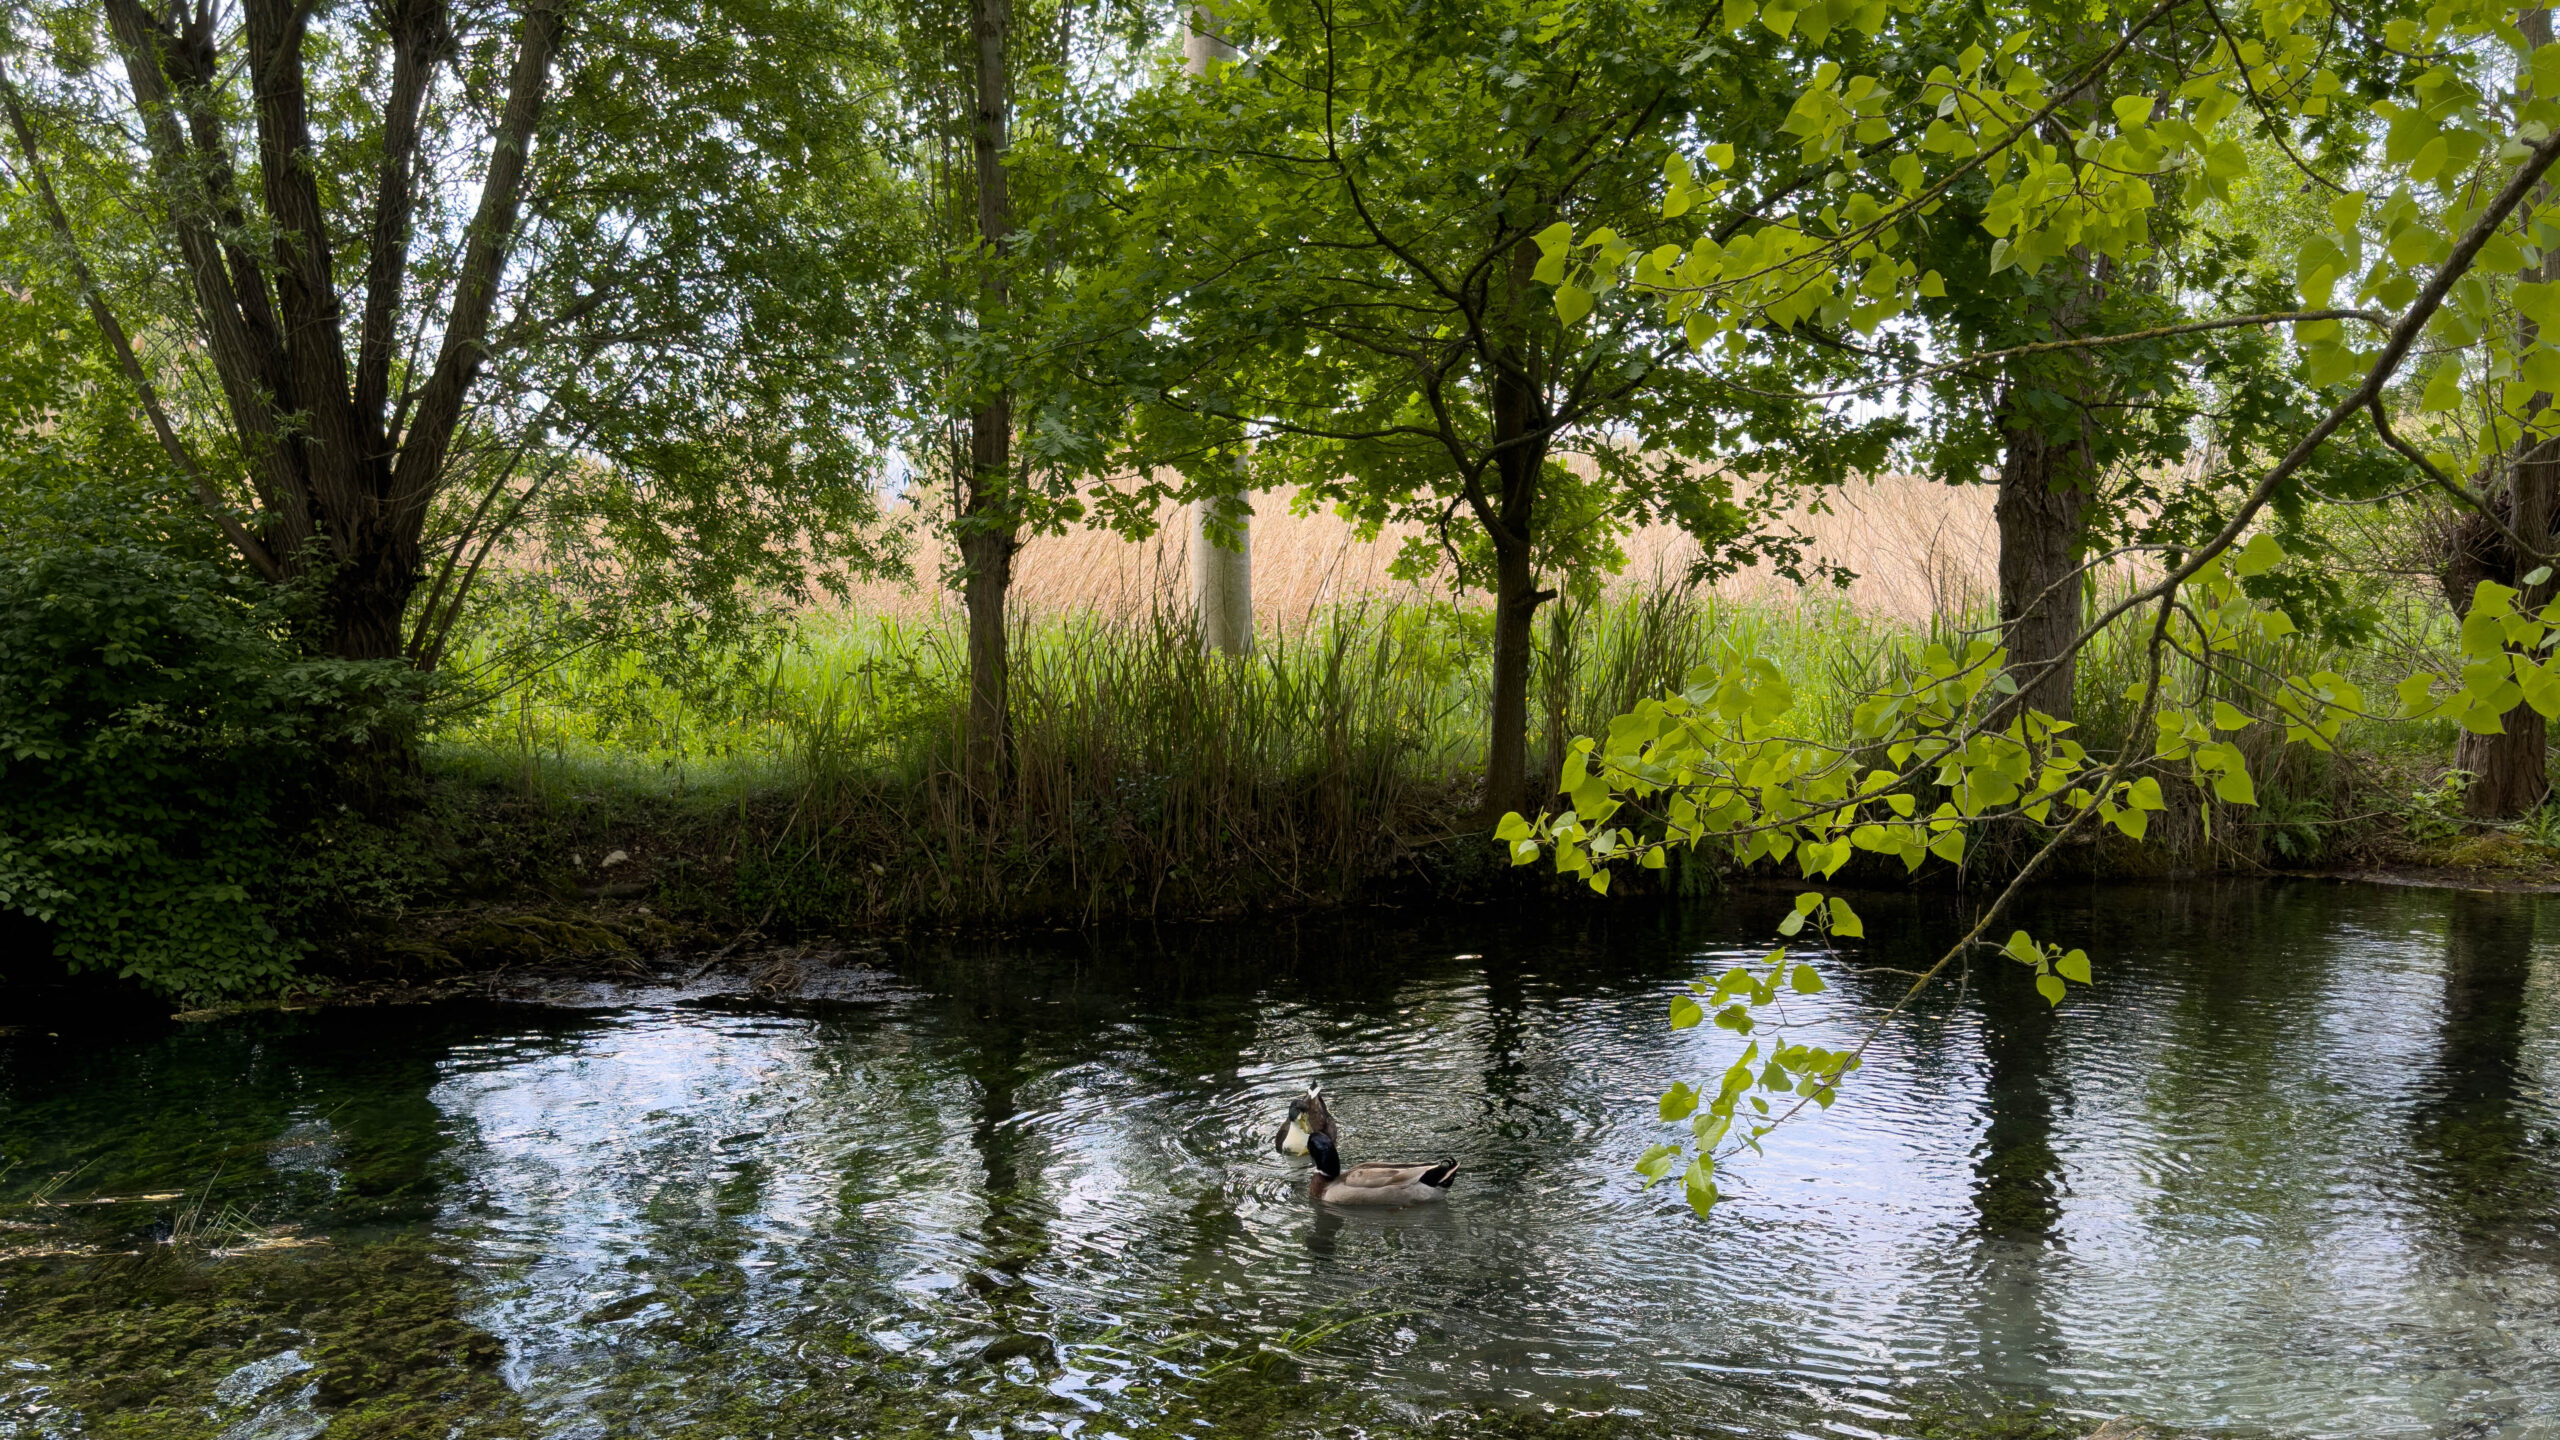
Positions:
{"x": 2490, "y": 851}
{"x": 408, "y": 956}
{"x": 535, "y": 940}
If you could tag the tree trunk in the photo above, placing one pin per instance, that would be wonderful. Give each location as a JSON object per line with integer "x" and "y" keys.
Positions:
{"x": 987, "y": 555}
{"x": 1516, "y": 598}
{"x": 2044, "y": 497}
{"x": 345, "y": 475}
{"x": 1222, "y": 573}
{"x": 1519, "y": 456}
{"x": 1558, "y": 694}
{"x": 369, "y": 608}
{"x": 2509, "y": 771}
{"x": 988, "y": 534}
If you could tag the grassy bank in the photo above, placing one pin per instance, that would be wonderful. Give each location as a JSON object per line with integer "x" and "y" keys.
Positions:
{"x": 627, "y": 803}
{"x": 815, "y": 786}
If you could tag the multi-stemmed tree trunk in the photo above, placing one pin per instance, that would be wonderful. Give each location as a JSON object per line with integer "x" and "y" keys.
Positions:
{"x": 989, "y": 529}
{"x": 2509, "y": 770}
{"x": 343, "y": 460}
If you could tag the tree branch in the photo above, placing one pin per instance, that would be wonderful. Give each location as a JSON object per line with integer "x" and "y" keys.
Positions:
{"x": 109, "y": 327}
{"x": 439, "y": 406}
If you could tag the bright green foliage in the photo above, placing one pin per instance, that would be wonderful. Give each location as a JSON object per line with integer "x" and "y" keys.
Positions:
{"x": 1714, "y": 764}
{"x": 1772, "y": 1077}
{"x": 2445, "y": 240}
{"x": 1330, "y": 247}
{"x": 159, "y": 744}
{"x": 1894, "y": 144}
{"x": 698, "y": 331}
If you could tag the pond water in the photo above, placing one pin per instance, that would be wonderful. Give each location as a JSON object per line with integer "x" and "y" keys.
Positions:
{"x": 2292, "y": 1167}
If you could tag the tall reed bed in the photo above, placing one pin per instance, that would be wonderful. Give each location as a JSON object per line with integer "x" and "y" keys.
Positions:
{"x": 1148, "y": 776}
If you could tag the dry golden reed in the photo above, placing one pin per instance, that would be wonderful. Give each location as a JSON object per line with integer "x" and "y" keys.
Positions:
{"x": 1919, "y": 549}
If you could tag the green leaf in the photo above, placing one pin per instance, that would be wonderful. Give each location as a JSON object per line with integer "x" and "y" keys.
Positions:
{"x": 1698, "y": 1183}
{"x": 1511, "y": 827}
{"x": 1845, "y": 921}
{"x": 2227, "y": 716}
{"x": 1792, "y": 923}
{"x": 2234, "y": 786}
{"x": 2074, "y": 966}
{"x": 2050, "y": 987}
{"x": 1679, "y": 1101}
{"x": 1572, "y": 303}
{"x": 1685, "y": 1012}
{"x": 2415, "y": 693}
{"x": 2259, "y": 556}
{"x": 1656, "y": 1162}
{"x": 2444, "y": 389}
{"x": 1806, "y": 981}
{"x": 1808, "y": 902}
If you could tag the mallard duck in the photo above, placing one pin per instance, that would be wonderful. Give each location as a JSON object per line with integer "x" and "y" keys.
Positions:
{"x": 1374, "y": 1183}
{"x": 1307, "y": 1117}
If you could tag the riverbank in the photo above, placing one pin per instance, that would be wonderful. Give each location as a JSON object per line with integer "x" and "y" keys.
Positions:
{"x": 485, "y": 886}
{"x": 617, "y": 807}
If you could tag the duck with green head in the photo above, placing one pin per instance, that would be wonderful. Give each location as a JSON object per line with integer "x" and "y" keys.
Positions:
{"x": 1308, "y": 1118}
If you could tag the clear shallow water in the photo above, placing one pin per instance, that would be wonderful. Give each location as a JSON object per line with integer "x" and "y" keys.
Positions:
{"x": 2292, "y": 1168}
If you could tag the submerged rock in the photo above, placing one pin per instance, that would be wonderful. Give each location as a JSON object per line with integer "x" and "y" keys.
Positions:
{"x": 1035, "y": 1348}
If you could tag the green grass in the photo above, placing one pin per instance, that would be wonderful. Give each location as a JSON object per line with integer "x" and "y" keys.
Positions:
{"x": 1149, "y": 777}
{"x": 882, "y": 697}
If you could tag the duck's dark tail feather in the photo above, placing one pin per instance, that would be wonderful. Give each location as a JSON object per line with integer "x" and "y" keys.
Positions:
{"x": 1439, "y": 1176}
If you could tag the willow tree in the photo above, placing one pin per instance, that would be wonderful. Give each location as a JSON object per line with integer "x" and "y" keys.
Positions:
{"x": 1349, "y": 245}
{"x": 412, "y": 291}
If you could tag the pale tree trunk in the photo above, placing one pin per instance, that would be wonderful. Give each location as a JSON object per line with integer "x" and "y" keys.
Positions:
{"x": 1221, "y": 571}
{"x": 2509, "y": 771}
{"x": 989, "y": 532}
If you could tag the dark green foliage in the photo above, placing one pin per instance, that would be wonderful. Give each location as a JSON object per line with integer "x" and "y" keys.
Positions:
{"x": 166, "y": 758}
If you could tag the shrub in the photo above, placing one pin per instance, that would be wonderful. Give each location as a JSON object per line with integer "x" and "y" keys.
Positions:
{"x": 163, "y": 748}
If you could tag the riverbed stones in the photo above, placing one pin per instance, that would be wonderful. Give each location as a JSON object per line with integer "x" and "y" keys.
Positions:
{"x": 1035, "y": 1348}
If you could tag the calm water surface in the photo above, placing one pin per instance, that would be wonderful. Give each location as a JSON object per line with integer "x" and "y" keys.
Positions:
{"x": 2288, "y": 1169}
